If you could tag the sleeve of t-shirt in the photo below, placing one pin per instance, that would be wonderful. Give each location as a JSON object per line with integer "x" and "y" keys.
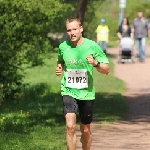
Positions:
{"x": 119, "y": 29}
{"x": 107, "y": 29}
{"x": 97, "y": 29}
{"x": 132, "y": 25}
{"x": 99, "y": 55}
{"x": 147, "y": 24}
{"x": 60, "y": 57}
{"x": 129, "y": 30}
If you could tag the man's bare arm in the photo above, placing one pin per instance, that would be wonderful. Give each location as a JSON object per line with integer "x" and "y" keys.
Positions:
{"x": 102, "y": 68}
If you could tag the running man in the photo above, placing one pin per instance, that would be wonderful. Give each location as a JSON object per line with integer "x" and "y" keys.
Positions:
{"x": 76, "y": 59}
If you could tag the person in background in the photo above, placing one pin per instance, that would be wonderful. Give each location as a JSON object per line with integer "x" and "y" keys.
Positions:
{"x": 76, "y": 59}
{"x": 141, "y": 30}
{"x": 102, "y": 35}
{"x": 124, "y": 30}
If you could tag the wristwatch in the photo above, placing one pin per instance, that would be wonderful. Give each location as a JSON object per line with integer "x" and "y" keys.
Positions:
{"x": 98, "y": 63}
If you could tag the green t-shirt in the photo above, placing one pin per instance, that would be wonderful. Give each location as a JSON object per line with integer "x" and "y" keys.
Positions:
{"x": 75, "y": 58}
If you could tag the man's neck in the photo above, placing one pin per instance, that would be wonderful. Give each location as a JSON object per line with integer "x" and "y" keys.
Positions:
{"x": 77, "y": 43}
{"x": 140, "y": 18}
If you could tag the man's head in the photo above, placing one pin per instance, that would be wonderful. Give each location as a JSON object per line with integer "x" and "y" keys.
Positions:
{"x": 102, "y": 21}
{"x": 140, "y": 14}
{"x": 74, "y": 29}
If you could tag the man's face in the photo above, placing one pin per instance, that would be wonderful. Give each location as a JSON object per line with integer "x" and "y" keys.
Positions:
{"x": 140, "y": 15}
{"x": 74, "y": 31}
{"x": 102, "y": 23}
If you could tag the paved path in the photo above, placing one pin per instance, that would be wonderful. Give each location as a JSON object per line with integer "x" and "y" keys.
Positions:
{"x": 134, "y": 132}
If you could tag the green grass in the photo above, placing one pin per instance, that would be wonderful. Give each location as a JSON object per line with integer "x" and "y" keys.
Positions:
{"x": 35, "y": 121}
{"x": 112, "y": 43}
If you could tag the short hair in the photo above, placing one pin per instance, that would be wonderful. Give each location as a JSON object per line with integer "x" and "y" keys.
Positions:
{"x": 73, "y": 19}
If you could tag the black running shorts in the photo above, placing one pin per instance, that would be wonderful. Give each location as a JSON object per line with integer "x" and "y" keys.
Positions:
{"x": 71, "y": 105}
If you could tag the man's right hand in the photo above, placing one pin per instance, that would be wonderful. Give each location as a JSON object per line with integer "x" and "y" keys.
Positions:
{"x": 59, "y": 70}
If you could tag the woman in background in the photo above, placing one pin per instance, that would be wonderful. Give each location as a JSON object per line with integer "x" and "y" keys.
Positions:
{"x": 124, "y": 30}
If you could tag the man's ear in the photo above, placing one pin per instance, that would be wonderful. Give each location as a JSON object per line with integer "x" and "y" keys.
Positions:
{"x": 81, "y": 29}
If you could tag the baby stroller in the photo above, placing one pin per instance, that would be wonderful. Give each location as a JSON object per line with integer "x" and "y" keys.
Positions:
{"x": 126, "y": 50}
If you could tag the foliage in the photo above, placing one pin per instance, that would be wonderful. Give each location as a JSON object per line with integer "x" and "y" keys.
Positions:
{"x": 143, "y": 7}
{"x": 24, "y": 28}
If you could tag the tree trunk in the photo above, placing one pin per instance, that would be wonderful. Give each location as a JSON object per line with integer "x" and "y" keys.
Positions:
{"x": 80, "y": 10}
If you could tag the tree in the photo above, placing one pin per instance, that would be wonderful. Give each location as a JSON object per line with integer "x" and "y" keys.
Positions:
{"x": 24, "y": 24}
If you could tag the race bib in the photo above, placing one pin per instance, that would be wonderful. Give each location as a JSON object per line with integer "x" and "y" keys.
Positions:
{"x": 77, "y": 78}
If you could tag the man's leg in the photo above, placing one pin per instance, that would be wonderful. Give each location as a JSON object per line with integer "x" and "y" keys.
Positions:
{"x": 85, "y": 113}
{"x": 137, "y": 43}
{"x": 140, "y": 49}
{"x": 143, "y": 43}
{"x": 70, "y": 107}
{"x": 105, "y": 47}
{"x": 86, "y": 136}
{"x": 101, "y": 44}
{"x": 70, "y": 133}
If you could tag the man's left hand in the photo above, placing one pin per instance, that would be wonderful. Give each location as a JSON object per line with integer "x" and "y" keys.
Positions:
{"x": 91, "y": 60}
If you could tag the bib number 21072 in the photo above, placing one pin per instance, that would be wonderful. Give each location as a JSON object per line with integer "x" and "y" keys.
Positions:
{"x": 77, "y": 78}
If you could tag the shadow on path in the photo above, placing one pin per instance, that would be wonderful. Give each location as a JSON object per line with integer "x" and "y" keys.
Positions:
{"x": 138, "y": 107}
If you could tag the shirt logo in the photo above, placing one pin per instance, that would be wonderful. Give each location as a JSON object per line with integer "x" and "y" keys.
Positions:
{"x": 74, "y": 62}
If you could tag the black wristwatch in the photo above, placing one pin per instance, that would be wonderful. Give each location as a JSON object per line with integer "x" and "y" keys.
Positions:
{"x": 98, "y": 63}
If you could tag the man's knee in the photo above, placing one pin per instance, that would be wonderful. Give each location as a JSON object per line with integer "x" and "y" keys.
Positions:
{"x": 86, "y": 131}
{"x": 70, "y": 128}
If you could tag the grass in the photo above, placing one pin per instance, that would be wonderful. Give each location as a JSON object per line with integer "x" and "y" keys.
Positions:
{"x": 35, "y": 121}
